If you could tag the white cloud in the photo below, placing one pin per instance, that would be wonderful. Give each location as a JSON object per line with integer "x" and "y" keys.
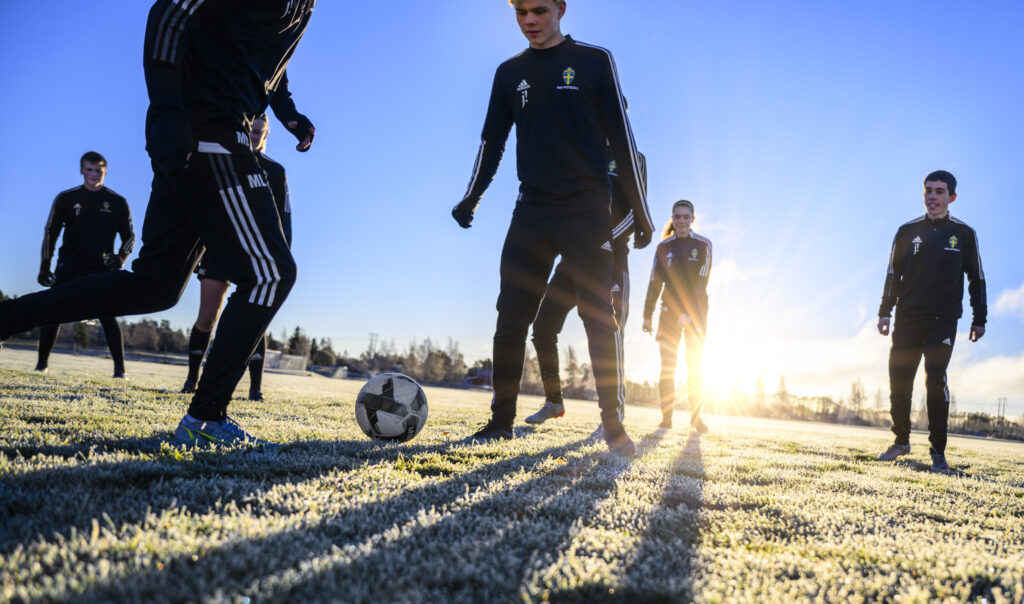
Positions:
{"x": 1010, "y": 302}
{"x": 987, "y": 380}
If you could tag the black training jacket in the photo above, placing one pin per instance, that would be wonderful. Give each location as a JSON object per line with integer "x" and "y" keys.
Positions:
{"x": 568, "y": 108}
{"x": 213, "y": 65}
{"x": 90, "y": 220}
{"x": 926, "y": 271}
{"x": 682, "y": 265}
{"x": 622, "y": 212}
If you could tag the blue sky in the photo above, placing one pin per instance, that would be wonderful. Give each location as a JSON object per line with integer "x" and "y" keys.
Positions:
{"x": 801, "y": 130}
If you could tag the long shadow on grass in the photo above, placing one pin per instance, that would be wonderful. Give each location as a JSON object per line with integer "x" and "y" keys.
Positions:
{"x": 662, "y": 565}
{"x": 55, "y": 499}
{"x": 463, "y": 538}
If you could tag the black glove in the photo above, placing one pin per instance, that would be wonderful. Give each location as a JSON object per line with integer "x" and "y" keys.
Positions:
{"x": 46, "y": 278}
{"x": 169, "y": 141}
{"x": 112, "y": 260}
{"x": 303, "y": 128}
{"x": 463, "y": 212}
{"x": 641, "y": 239}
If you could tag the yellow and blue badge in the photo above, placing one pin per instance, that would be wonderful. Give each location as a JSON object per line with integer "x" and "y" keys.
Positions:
{"x": 568, "y": 75}
{"x": 693, "y": 253}
{"x": 612, "y": 166}
{"x": 953, "y": 241}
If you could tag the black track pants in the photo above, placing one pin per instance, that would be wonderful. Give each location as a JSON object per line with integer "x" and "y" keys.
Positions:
{"x": 531, "y": 246}
{"x": 216, "y": 201}
{"x": 111, "y": 329}
{"x": 933, "y": 339}
{"x": 669, "y": 336}
{"x": 559, "y": 300}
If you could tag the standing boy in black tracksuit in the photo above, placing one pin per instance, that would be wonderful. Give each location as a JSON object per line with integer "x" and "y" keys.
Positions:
{"x": 91, "y": 216}
{"x": 925, "y": 282}
{"x": 211, "y": 67}
{"x": 560, "y": 298}
{"x": 213, "y": 289}
{"x": 564, "y": 98}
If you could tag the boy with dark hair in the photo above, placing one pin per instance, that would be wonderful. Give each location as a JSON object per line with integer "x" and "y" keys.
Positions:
{"x": 91, "y": 216}
{"x": 564, "y": 98}
{"x": 208, "y": 190}
{"x": 925, "y": 282}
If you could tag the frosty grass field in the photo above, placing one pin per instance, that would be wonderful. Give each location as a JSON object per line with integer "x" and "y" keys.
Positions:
{"x": 95, "y": 507}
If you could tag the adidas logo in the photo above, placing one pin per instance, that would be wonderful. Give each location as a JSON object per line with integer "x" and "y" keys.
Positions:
{"x": 947, "y": 342}
{"x": 607, "y": 246}
{"x": 616, "y": 289}
{"x": 522, "y": 86}
{"x": 916, "y": 239}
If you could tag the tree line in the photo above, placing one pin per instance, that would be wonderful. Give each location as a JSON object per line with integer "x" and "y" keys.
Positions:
{"x": 445, "y": 365}
{"x": 856, "y": 408}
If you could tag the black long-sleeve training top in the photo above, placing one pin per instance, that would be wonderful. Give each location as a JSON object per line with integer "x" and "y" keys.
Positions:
{"x": 622, "y": 212}
{"x": 213, "y": 65}
{"x": 567, "y": 107}
{"x": 683, "y": 266}
{"x": 90, "y": 220}
{"x": 926, "y": 271}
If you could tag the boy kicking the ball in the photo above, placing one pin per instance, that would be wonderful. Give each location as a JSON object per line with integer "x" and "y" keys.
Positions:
{"x": 564, "y": 98}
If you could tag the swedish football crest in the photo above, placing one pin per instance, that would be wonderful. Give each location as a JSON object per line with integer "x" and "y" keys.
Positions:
{"x": 568, "y": 75}
{"x": 953, "y": 241}
{"x": 106, "y": 205}
{"x": 693, "y": 254}
{"x": 612, "y": 166}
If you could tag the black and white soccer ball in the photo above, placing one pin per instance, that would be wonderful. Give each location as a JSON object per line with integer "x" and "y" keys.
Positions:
{"x": 391, "y": 407}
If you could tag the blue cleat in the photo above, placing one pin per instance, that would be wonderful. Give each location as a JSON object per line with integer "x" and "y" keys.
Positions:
{"x": 226, "y": 433}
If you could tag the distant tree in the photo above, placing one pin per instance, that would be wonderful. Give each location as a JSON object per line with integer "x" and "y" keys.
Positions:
{"x": 879, "y": 406}
{"x": 455, "y": 364}
{"x": 2, "y": 296}
{"x": 588, "y": 387}
{"x": 143, "y": 335}
{"x": 299, "y": 342}
{"x": 642, "y": 394}
{"x": 760, "y": 397}
{"x": 782, "y": 396}
{"x": 857, "y": 396}
{"x": 531, "y": 382}
{"x": 323, "y": 357}
{"x": 922, "y": 412}
{"x": 273, "y": 343}
{"x": 573, "y": 387}
{"x": 81, "y": 331}
{"x": 171, "y": 340}
{"x": 481, "y": 365}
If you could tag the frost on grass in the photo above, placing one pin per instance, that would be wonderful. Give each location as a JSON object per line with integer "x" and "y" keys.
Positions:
{"x": 95, "y": 506}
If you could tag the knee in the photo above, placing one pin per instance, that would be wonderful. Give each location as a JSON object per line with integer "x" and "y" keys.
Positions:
{"x": 543, "y": 338}
{"x": 287, "y": 273}
{"x": 510, "y": 331}
{"x": 289, "y": 270}
{"x": 935, "y": 376}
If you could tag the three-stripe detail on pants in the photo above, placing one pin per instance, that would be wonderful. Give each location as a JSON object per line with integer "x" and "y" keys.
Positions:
{"x": 248, "y": 232}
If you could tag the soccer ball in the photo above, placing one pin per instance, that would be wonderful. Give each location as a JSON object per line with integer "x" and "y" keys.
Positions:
{"x": 391, "y": 407}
